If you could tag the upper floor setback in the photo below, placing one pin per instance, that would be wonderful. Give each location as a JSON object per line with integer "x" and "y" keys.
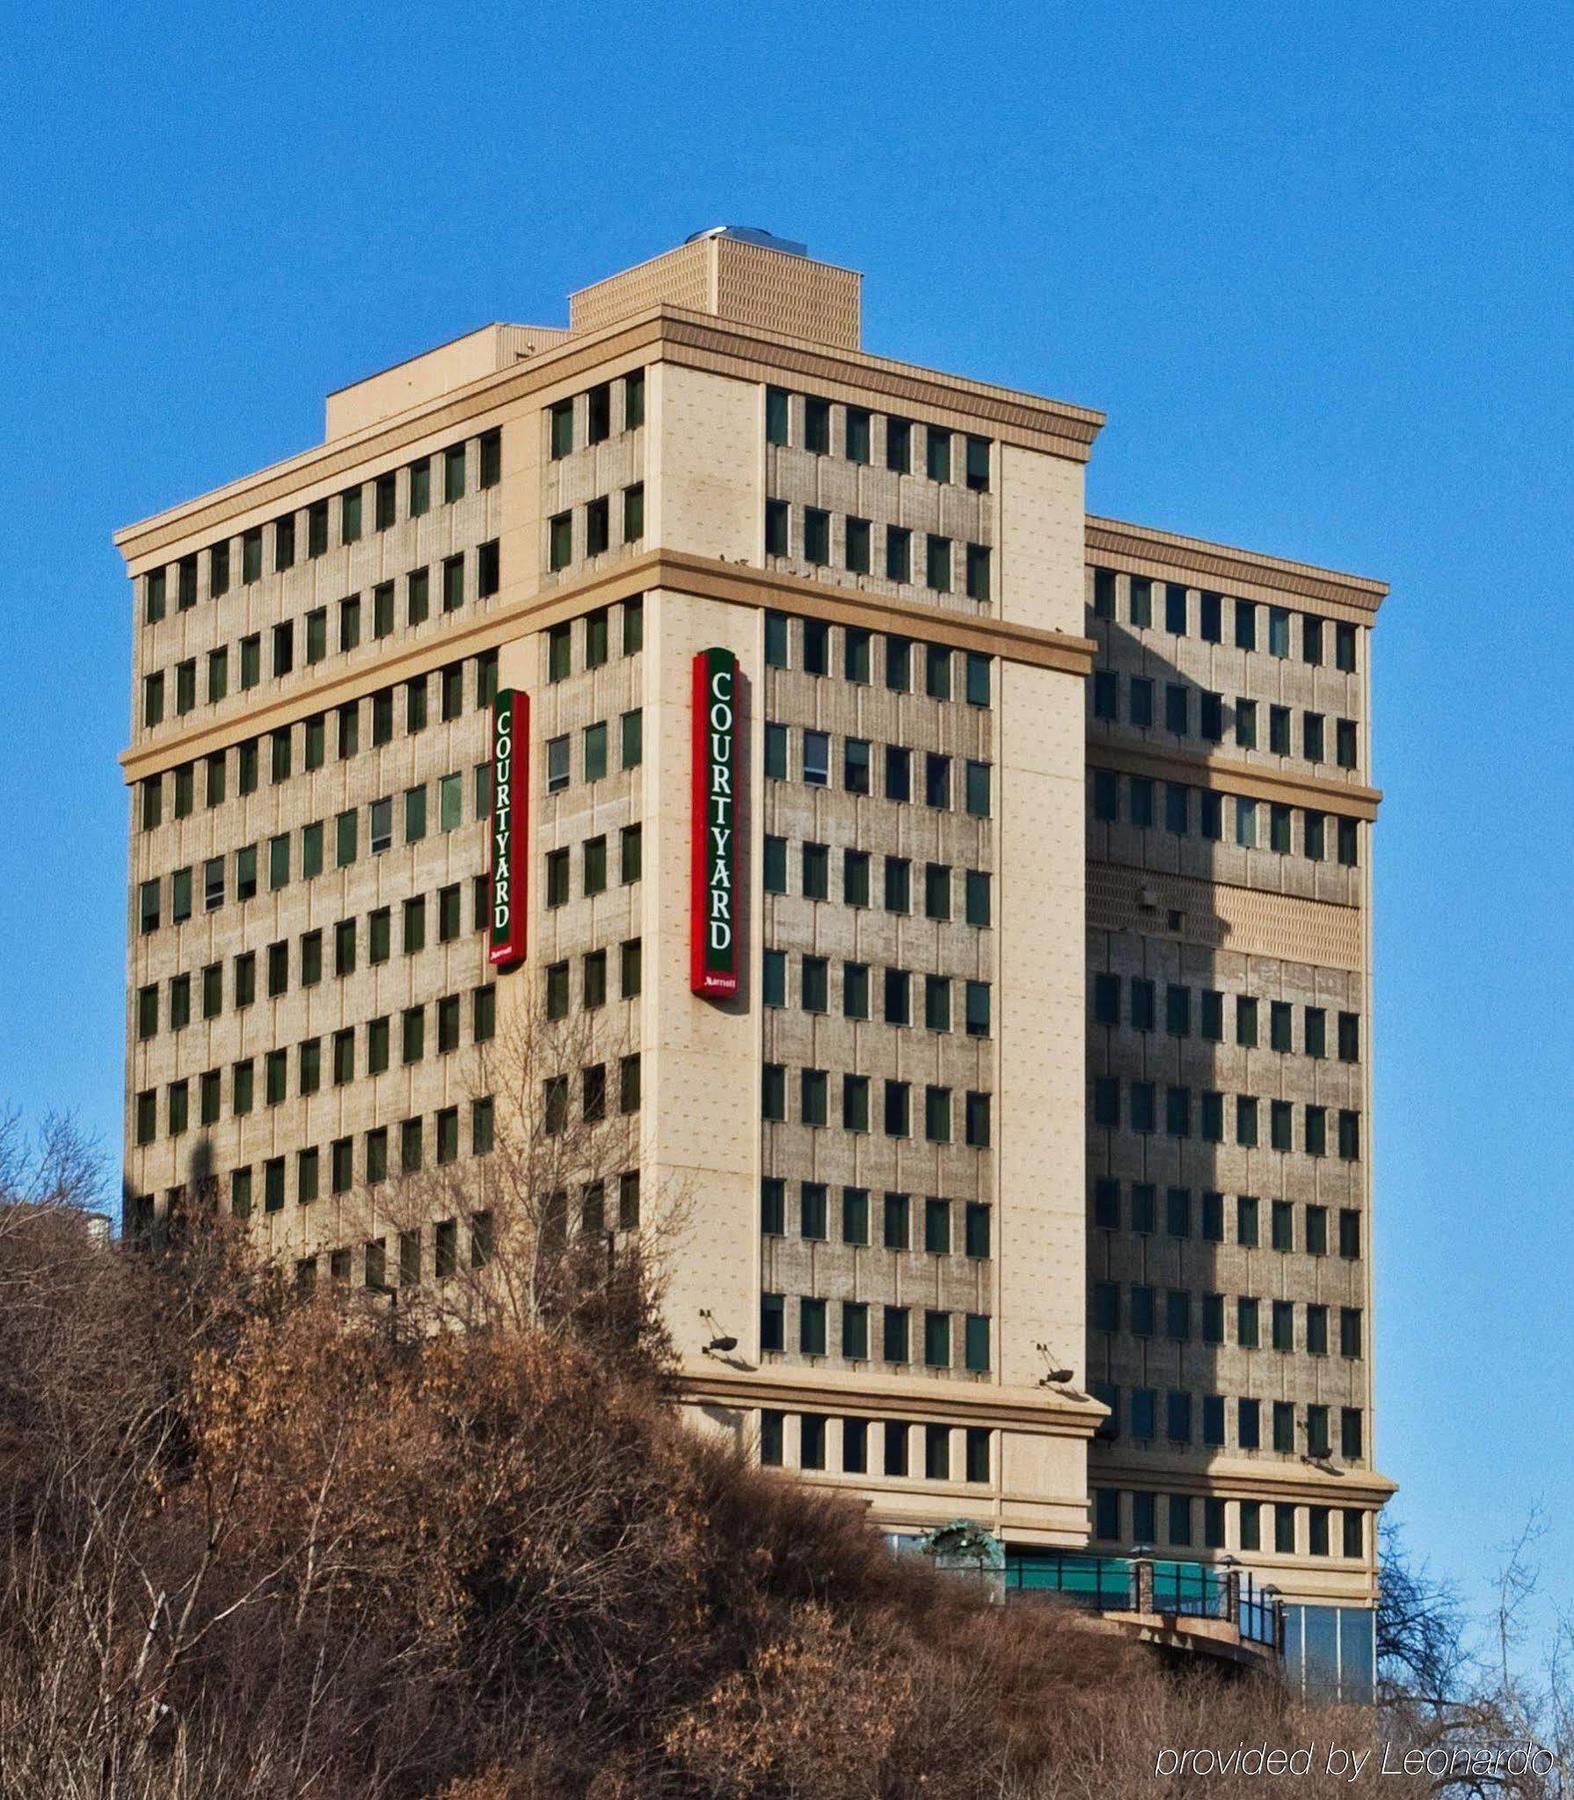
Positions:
{"x": 906, "y": 490}
{"x": 730, "y": 307}
{"x": 1164, "y": 556}
{"x": 1208, "y": 653}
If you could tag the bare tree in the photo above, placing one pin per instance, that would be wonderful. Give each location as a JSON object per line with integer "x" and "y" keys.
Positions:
{"x": 1465, "y": 1693}
{"x": 61, "y": 1168}
{"x": 560, "y": 1236}
{"x": 1420, "y": 1625}
{"x": 104, "y": 1597}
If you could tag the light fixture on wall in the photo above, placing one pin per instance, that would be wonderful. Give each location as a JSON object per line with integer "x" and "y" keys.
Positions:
{"x": 1052, "y": 1377}
{"x": 721, "y": 1344}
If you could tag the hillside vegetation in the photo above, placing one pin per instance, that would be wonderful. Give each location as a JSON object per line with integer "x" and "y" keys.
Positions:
{"x": 262, "y": 1547}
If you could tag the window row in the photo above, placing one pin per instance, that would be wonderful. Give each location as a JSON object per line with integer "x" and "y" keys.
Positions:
{"x": 593, "y": 759}
{"x": 593, "y": 866}
{"x": 1201, "y": 1114}
{"x": 896, "y": 1106}
{"x": 1185, "y": 1315}
{"x": 896, "y": 882}
{"x": 811, "y": 543}
{"x": 182, "y": 784}
{"x": 1205, "y": 1219}
{"x": 202, "y": 995}
{"x": 590, "y": 1088}
{"x": 316, "y": 1174}
{"x": 288, "y": 647}
{"x": 1210, "y": 719}
{"x": 272, "y": 861}
{"x": 600, "y": 1211}
{"x": 807, "y": 421}
{"x": 937, "y": 772}
{"x": 287, "y": 541}
{"x": 1207, "y": 1016}
{"x": 1189, "y": 1418}
{"x": 593, "y": 1082}
{"x": 806, "y": 644}
{"x": 898, "y": 1215}
{"x": 1205, "y": 615}
{"x": 376, "y": 1271}
{"x": 318, "y": 1062}
{"x": 595, "y": 535}
{"x": 898, "y": 988}
{"x": 593, "y": 979}
{"x": 594, "y": 631}
{"x": 888, "y": 1441}
{"x": 1258, "y": 824}
{"x": 949, "y": 1340}
{"x": 1180, "y": 1519}
{"x": 585, "y": 419}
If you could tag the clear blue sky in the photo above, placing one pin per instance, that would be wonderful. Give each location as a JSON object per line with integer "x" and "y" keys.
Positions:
{"x": 1313, "y": 263}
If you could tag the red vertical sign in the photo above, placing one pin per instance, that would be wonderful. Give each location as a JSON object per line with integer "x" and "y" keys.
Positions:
{"x": 510, "y": 820}
{"x": 714, "y": 904}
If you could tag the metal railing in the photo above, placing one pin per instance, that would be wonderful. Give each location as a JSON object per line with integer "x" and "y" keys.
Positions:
{"x": 1102, "y": 1583}
{"x": 1192, "y": 1590}
{"x": 1260, "y": 1616}
{"x": 1138, "y": 1584}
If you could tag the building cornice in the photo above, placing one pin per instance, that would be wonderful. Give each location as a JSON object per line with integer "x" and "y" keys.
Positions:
{"x": 745, "y": 585}
{"x": 1238, "y": 1478}
{"x": 726, "y": 346}
{"x": 1140, "y": 550}
{"x": 659, "y": 333}
{"x": 1226, "y": 774}
{"x": 1038, "y": 1410}
{"x": 735, "y": 583}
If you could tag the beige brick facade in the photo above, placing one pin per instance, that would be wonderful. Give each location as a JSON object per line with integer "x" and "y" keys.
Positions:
{"x": 1228, "y": 1048}
{"x": 892, "y": 1153}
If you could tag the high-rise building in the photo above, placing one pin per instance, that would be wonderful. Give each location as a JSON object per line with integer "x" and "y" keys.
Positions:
{"x": 971, "y": 897}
